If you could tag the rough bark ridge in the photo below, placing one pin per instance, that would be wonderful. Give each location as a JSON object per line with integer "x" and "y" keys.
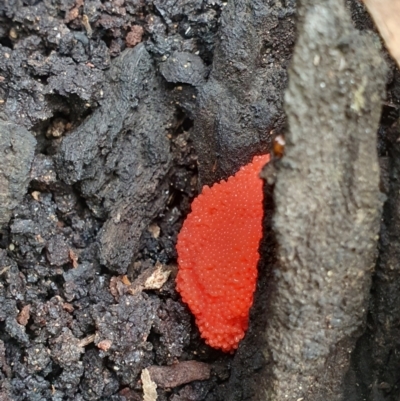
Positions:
{"x": 328, "y": 207}
{"x": 123, "y": 156}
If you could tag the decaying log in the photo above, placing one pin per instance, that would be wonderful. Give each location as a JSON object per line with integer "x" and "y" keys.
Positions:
{"x": 241, "y": 105}
{"x": 327, "y": 207}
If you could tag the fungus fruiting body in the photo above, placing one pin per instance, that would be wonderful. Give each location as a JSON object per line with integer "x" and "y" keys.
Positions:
{"x": 218, "y": 255}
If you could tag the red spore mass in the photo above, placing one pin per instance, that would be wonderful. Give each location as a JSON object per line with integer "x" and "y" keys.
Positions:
{"x": 218, "y": 255}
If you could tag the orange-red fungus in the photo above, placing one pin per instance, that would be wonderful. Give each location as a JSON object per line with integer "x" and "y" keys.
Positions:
{"x": 218, "y": 254}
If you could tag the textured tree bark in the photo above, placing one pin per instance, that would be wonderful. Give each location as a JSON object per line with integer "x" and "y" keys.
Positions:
{"x": 240, "y": 105}
{"x": 327, "y": 207}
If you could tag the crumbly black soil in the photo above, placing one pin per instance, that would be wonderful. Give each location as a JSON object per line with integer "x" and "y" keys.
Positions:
{"x": 118, "y": 134}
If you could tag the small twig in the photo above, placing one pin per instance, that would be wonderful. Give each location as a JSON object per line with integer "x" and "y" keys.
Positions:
{"x": 4, "y": 270}
{"x": 87, "y": 340}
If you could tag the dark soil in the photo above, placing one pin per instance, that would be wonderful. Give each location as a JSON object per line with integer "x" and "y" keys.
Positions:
{"x": 122, "y": 108}
{"x": 112, "y": 177}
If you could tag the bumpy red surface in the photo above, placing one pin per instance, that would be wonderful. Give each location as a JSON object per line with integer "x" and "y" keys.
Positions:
{"x": 218, "y": 254}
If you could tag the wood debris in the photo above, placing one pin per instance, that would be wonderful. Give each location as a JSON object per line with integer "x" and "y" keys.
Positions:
{"x": 386, "y": 16}
{"x": 181, "y": 373}
{"x": 149, "y": 387}
{"x": 24, "y": 315}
